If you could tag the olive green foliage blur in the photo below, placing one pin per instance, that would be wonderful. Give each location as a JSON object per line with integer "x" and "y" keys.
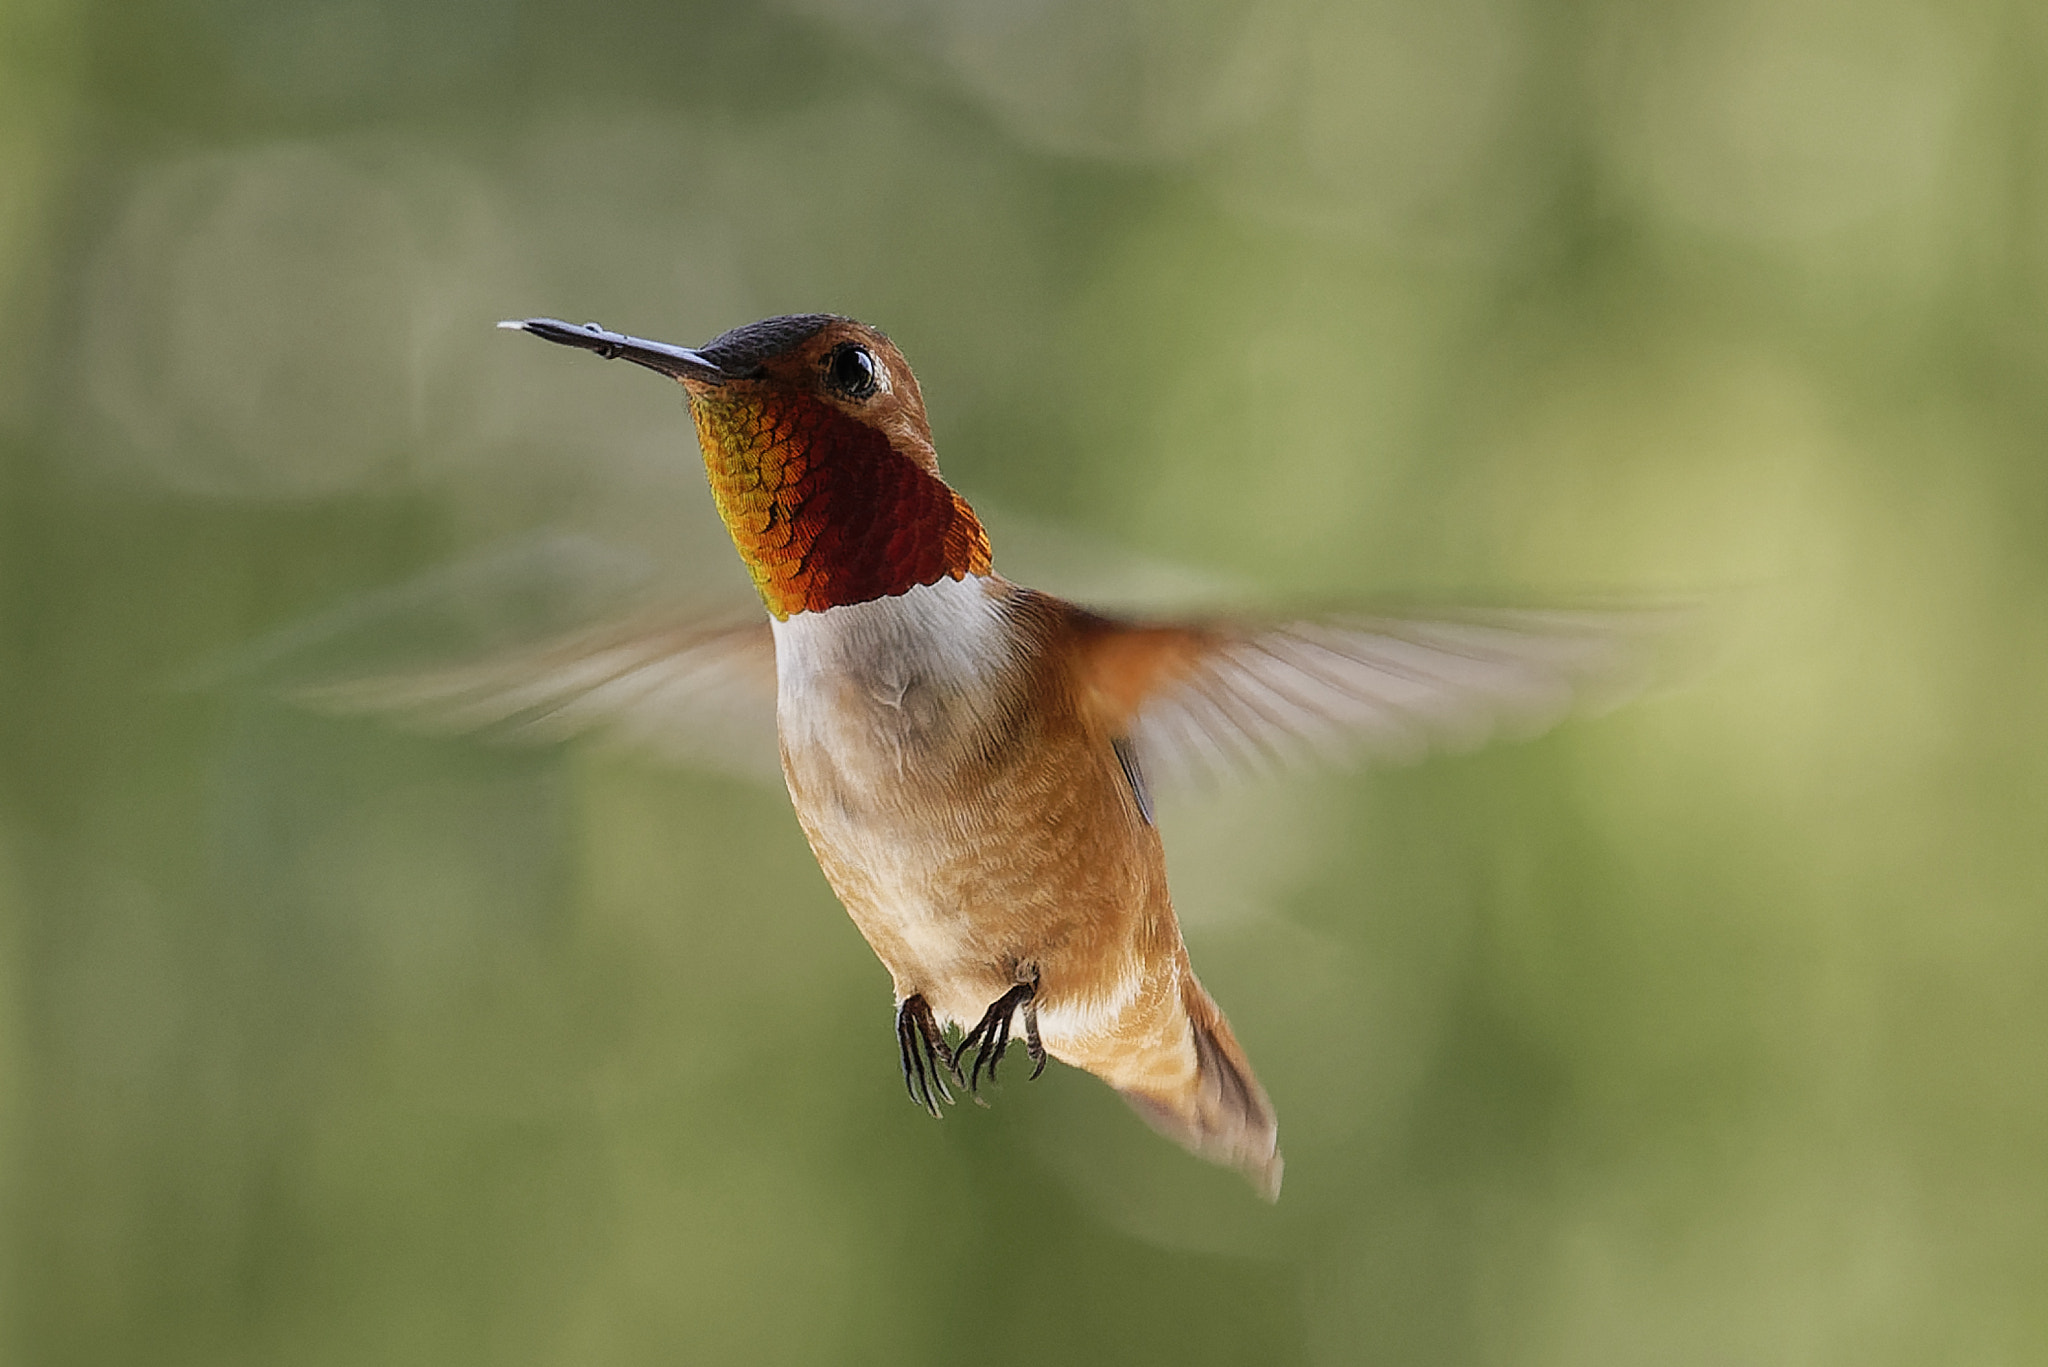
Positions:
{"x": 1711, "y": 1031}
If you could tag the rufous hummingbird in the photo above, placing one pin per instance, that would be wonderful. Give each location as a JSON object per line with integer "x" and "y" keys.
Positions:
{"x": 969, "y": 757}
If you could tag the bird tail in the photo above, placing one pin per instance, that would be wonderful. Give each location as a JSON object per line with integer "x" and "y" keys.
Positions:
{"x": 1219, "y": 1112}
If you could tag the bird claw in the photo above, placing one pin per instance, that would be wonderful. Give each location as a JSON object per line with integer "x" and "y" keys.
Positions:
{"x": 925, "y": 1057}
{"x": 990, "y": 1037}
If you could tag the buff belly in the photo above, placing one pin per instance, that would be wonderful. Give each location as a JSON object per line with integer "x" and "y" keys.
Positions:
{"x": 976, "y": 840}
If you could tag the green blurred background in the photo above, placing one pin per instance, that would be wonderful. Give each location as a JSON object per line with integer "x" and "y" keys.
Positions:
{"x": 1712, "y": 1031}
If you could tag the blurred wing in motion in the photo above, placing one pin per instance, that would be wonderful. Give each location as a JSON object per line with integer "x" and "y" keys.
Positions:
{"x": 504, "y": 644}
{"x": 483, "y": 647}
{"x": 691, "y": 691}
{"x": 1224, "y": 698}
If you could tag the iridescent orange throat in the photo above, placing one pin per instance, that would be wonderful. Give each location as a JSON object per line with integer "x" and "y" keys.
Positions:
{"x": 823, "y": 509}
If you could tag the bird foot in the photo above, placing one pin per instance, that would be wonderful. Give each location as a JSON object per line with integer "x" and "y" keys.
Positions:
{"x": 926, "y": 1059}
{"x": 991, "y": 1035}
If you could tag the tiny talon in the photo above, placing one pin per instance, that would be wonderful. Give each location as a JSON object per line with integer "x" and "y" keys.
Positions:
{"x": 1032, "y": 1046}
{"x": 938, "y": 1078}
{"x": 921, "y": 1047}
{"x": 1002, "y": 1038}
{"x": 991, "y": 1034}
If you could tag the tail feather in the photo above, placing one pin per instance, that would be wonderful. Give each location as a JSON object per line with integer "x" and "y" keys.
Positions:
{"x": 1222, "y": 1113}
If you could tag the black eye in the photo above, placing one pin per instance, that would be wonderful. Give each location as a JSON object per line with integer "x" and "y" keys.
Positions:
{"x": 851, "y": 371}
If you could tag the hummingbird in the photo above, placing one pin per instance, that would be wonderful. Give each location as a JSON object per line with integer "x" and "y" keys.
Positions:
{"x": 971, "y": 759}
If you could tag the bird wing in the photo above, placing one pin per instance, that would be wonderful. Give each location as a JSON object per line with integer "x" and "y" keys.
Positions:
{"x": 1224, "y": 697}
{"x": 470, "y": 649}
{"x": 689, "y": 690}
{"x": 539, "y": 639}
{"x": 1186, "y": 699}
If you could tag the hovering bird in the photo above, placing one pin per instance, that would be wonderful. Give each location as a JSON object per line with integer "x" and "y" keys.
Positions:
{"x": 969, "y": 757}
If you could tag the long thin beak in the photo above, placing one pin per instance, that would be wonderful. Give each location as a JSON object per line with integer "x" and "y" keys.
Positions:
{"x": 678, "y": 362}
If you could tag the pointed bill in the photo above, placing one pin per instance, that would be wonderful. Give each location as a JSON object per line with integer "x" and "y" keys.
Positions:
{"x": 677, "y": 362}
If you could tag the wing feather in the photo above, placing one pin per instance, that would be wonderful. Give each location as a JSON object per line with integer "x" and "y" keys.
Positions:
{"x": 1215, "y": 696}
{"x": 690, "y": 691}
{"x": 1223, "y": 698}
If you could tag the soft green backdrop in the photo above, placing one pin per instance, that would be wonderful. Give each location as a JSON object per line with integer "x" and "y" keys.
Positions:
{"x": 1714, "y": 1031}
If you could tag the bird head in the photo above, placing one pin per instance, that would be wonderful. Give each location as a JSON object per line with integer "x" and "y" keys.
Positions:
{"x": 819, "y": 455}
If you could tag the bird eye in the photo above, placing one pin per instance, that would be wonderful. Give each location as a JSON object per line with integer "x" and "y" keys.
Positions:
{"x": 851, "y": 371}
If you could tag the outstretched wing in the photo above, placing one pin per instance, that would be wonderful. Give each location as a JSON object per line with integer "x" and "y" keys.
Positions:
{"x": 692, "y": 691}
{"x": 696, "y": 686}
{"x": 1224, "y": 697}
{"x": 504, "y": 644}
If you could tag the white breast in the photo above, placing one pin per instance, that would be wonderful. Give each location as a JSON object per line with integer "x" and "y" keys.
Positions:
{"x": 887, "y": 710}
{"x": 896, "y": 679}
